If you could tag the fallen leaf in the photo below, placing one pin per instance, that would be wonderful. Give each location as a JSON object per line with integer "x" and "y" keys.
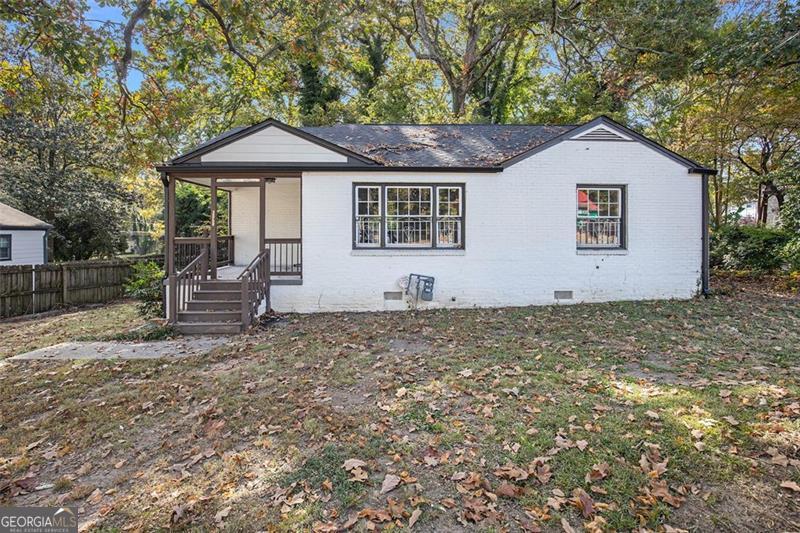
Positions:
{"x": 584, "y": 502}
{"x": 390, "y": 482}
{"x": 599, "y": 471}
{"x": 508, "y": 490}
{"x": 791, "y": 485}
{"x": 222, "y": 515}
{"x": 350, "y": 464}
{"x": 414, "y": 517}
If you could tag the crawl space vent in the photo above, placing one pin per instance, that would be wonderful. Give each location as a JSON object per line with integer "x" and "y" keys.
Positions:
{"x": 562, "y": 295}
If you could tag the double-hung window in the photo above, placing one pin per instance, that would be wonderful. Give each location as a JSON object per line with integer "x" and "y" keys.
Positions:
{"x": 5, "y": 247}
{"x": 408, "y": 216}
{"x": 600, "y": 217}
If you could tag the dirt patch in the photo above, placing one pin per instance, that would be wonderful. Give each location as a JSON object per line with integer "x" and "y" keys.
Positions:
{"x": 184, "y": 347}
{"x": 738, "y": 506}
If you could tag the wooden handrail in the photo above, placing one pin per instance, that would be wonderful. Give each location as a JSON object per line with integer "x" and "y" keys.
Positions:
{"x": 252, "y": 263}
{"x": 286, "y": 256}
{"x": 189, "y": 247}
{"x": 255, "y": 287}
{"x": 185, "y": 283}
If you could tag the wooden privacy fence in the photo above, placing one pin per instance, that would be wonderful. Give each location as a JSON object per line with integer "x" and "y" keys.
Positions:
{"x": 34, "y": 289}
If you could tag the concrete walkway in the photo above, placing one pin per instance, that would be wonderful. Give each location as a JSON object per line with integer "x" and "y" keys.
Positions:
{"x": 178, "y": 348}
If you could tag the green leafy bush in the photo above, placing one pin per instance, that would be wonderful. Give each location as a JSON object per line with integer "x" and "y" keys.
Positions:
{"x": 749, "y": 248}
{"x": 145, "y": 285}
{"x": 791, "y": 253}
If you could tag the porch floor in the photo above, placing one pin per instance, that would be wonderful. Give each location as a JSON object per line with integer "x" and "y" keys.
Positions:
{"x": 231, "y": 272}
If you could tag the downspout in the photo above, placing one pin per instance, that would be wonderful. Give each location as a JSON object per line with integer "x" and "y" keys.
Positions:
{"x": 165, "y": 214}
{"x": 704, "y": 271}
{"x": 44, "y": 251}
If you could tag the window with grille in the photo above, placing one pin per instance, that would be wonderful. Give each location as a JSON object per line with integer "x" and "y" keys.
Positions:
{"x": 5, "y": 247}
{"x": 368, "y": 216}
{"x": 408, "y": 216}
{"x": 600, "y": 217}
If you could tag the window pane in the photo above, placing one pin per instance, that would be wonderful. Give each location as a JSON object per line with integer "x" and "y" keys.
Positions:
{"x": 5, "y": 247}
{"x": 599, "y": 217}
{"x": 408, "y": 216}
{"x": 368, "y": 220}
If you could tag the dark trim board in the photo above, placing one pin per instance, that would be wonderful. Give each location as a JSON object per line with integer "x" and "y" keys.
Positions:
{"x": 10, "y": 246}
{"x": 623, "y": 234}
{"x": 704, "y": 266}
{"x": 279, "y": 169}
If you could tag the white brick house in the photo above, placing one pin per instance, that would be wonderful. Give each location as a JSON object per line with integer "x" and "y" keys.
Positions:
{"x": 338, "y": 217}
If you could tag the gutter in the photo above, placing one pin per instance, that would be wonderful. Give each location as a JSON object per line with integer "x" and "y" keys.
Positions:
{"x": 215, "y": 170}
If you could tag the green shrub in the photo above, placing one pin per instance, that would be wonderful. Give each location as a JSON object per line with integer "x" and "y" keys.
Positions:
{"x": 749, "y": 248}
{"x": 145, "y": 285}
{"x": 791, "y": 254}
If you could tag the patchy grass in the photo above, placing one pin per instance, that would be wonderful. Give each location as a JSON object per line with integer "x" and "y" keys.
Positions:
{"x": 609, "y": 416}
{"x": 30, "y": 333}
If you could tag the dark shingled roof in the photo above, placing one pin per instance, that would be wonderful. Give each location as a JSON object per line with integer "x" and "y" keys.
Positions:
{"x": 11, "y": 218}
{"x": 450, "y": 145}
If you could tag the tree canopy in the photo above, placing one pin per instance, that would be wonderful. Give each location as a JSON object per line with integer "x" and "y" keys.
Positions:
{"x": 90, "y": 102}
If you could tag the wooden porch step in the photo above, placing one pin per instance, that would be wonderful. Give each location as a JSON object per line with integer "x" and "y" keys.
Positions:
{"x": 214, "y": 305}
{"x": 217, "y": 295}
{"x": 209, "y": 316}
{"x": 208, "y": 328}
{"x": 221, "y": 284}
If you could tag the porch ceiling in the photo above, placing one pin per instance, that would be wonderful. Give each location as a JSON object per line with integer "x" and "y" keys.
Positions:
{"x": 227, "y": 181}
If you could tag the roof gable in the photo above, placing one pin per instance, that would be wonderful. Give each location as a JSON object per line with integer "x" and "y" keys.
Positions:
{"x": 11, "y": 218}
{"x": 605, "y": 129}
{"x": 270, "y": 141}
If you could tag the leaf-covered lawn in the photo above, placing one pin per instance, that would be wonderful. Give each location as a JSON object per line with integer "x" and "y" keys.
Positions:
{"x": 24, "y": 334}
{"x": 653, "y": 415}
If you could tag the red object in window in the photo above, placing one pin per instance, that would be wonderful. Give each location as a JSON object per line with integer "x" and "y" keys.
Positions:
{"x": 583, "y": 198}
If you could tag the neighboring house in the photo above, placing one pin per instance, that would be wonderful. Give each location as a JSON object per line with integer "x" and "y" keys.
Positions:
{"x": 499, "y": 215}
{"x": 23, "y": 238}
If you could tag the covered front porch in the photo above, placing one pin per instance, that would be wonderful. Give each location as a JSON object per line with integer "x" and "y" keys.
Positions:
{"x": 221, "y": 282}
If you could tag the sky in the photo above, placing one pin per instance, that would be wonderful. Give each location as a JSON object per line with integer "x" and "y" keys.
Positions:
{"x": 97, "y": 15}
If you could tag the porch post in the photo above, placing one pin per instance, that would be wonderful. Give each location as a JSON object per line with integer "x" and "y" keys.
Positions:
{"x": 262, "y": 214}
{"x": 169, "y": 251}
{"x": 213, "y": 235}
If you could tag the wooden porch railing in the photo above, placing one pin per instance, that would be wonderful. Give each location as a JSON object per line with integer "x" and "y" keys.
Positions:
{"x": 286, "y": 256}
{"x": 255, "y": 287}
{"x": 187, "y": 248}
{"x": 185, "y": 283}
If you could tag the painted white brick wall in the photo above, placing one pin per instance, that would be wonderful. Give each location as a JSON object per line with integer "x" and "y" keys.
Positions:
{"x": 520, "y": 235}
{"x": 27, "y": 247}
{"x": 283, "y": 216}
